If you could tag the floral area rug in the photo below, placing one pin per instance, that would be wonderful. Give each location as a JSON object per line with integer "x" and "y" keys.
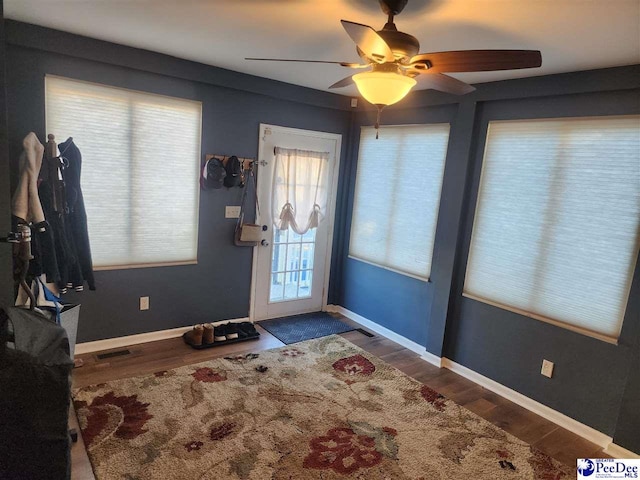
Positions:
{"x": 323, "y": 409}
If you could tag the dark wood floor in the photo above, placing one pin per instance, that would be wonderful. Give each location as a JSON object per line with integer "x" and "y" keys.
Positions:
{"x": 556, "y": 441}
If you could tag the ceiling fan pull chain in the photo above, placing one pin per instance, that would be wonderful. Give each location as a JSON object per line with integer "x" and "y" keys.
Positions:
{"x": 377, "y": 124}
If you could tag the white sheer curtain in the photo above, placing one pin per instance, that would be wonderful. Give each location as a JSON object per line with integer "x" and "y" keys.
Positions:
{"x": 299, "y": 198}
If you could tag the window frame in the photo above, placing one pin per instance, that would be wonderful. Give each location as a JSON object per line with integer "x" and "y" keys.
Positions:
{"x": 198, "y": 149}
{"x": 469, "y": 228}
{"x": 424, "y": 279}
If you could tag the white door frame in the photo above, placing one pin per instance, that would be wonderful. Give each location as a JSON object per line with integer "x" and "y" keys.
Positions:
{"x": 331, "y": 208}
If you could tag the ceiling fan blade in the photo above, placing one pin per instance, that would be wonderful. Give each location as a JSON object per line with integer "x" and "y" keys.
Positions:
{"x": 369, "y": 41}
{"x": 444, "y": 83}
{"x": 479, "y": 60}
{"x": 345, "y": 82}
{"x": 344, "y": 64}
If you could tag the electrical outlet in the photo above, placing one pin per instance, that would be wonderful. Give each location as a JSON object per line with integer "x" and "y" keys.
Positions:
{"x": 547, "y": 368}
{"x": 231, "y": 212}
{"x": 144, "y": 303}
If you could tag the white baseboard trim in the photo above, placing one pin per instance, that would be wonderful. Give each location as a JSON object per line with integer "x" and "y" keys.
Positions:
{"x": 391, "y": 335}
{"x": 584, "y": 431}
{"x": 550, "y": 414}
{"x": 617, "y": 451}
{"x": 119, "y": 342}
{"x": 432, "y": 359}
{"x": 365, "y": 322}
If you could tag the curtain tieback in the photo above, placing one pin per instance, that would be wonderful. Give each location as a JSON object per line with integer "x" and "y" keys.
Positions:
{"x": 316, "y": 216}
{"x": 287, "y": 216}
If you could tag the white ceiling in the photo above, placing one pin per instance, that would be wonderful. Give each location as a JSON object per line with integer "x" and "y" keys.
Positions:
{"x": 571, "y": 34}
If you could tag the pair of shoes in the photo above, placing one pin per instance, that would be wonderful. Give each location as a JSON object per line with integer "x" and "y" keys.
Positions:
{"x": 201, "y": 334}
{"x": 246, "y": 330}
{"x": 207, "y": 334}
{"x": 228, "y": 331}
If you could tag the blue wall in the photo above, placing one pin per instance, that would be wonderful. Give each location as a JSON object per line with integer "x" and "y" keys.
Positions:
{"x": 381, "y": 295}
{"x": 485, "y": 338}
{"x": 594, "y": 382}
{"x": 628, "y": 426}
{"x": 218, "y": 287}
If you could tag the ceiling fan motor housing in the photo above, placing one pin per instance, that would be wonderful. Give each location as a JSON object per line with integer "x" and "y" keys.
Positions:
{"x": 403, "y": 45}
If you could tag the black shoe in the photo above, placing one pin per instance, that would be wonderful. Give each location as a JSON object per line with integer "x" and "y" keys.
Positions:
{"x": 241, "y": 333}
{"x": 231, "y": 331}
{"x": 219, "y": 334}
{"x": 248, "y": 329}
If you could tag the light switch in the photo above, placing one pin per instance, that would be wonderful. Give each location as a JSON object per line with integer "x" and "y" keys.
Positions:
{"x": 144, "y": 303}
{"x": 231, "y": 212}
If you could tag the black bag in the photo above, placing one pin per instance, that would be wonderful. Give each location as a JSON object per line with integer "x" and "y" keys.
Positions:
{"x": 35, "y": 384}
{"x": 234, "y": 176}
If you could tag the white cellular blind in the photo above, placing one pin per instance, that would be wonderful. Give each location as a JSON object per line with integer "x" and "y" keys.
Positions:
{"x": 397, "y": 196}
{"x": 140, "y": 166}
{"x": 557, "y": 223}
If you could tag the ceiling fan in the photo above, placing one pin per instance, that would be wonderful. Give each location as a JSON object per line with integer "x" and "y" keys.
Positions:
{"x": 391, "y": 52}
{"x": 395, "y": 66}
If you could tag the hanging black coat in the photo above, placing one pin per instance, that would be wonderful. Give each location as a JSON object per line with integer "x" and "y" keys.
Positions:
{"x": 76, "y": 225}
{"x": 58, "y": 248}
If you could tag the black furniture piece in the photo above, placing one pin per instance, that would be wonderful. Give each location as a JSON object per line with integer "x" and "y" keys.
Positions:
{"x": 35, "y": 391}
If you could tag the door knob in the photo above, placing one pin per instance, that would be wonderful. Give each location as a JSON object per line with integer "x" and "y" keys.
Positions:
{"x": 264, "y": 243}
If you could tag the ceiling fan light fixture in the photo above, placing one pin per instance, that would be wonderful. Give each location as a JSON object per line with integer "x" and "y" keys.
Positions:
{"x": 383, "y": 88}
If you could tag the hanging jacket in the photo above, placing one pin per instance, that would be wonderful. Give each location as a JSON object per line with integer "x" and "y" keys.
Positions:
{"x": 77, "y": 234}
{"x": 59, "y": 248}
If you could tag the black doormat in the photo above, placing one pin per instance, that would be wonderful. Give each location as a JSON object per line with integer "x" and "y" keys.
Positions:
{"x": 304, "y": 327}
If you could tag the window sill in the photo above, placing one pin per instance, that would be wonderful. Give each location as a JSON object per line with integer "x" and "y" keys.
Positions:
{"x": 143, "y": 265}
{"x": 566, "y": 326}
{"x": 400, "y": 272}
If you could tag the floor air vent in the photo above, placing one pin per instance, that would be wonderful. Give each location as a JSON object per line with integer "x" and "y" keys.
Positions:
{"x": 364, "y": 332}
{"x": 117, "y": 353}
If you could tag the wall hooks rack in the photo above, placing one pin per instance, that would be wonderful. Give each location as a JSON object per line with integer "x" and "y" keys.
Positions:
{"x": 247, "y": 163}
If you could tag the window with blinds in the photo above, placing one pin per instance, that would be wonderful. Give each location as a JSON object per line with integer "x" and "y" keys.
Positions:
{"x": 397, "y": 196}
{"x": 140, "y": 167}
{"x": 557, "y": 222}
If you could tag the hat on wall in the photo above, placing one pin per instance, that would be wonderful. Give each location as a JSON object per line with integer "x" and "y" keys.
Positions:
{"x": 213, "y": 174}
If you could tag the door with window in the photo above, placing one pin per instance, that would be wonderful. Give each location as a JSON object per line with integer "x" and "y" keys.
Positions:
{"x": 297, "y": 172}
